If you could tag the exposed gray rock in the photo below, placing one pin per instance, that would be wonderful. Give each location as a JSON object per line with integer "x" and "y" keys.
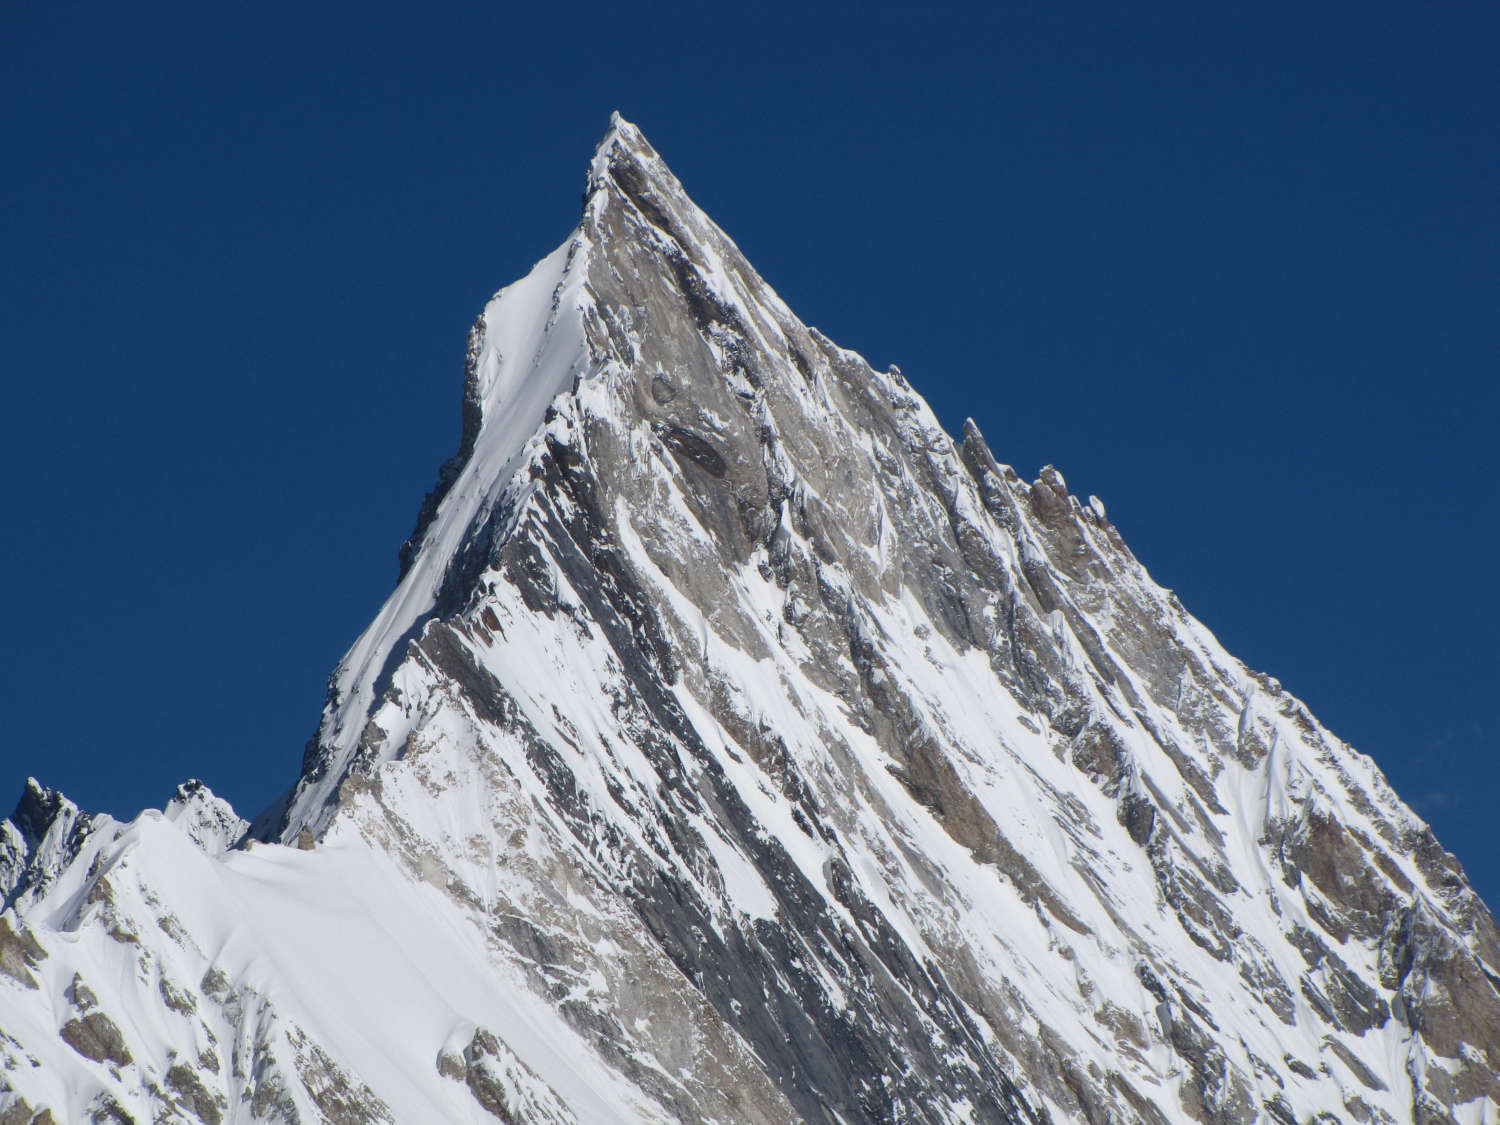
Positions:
{"x": 207, "y": 1106}
{"x": 20, "y": 952}
{"x": 95, "y": 1036}
{"x": 491, "y": 1071}
{"x": 341, "y": 1100}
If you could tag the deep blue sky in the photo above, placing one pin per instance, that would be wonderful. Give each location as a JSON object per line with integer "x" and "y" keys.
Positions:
{"x": 1236, "y": 272}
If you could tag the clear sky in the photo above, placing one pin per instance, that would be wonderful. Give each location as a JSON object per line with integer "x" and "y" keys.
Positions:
{"x": 1236, "y": 272}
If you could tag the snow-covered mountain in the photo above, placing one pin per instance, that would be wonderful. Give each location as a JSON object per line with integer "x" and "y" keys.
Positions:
{"x": 738, "y": 747}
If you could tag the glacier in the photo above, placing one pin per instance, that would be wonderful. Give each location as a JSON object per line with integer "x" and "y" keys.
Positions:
{"x": 738, "y": 747}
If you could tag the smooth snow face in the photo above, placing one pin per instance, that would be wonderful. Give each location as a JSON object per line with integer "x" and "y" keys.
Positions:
{"x": 531, "y": 351}
{"x": 738, "y": 748}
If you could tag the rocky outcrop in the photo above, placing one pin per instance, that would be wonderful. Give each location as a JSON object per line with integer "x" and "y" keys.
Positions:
{"x": 38, "y": 841}
{"x": 95, "y": 1036}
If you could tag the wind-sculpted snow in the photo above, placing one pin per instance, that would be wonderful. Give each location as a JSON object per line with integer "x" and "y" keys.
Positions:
{"x": 738, "y": 747}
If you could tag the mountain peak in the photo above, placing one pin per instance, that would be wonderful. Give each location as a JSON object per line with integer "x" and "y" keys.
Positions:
{"x": 724, "y": 702}
{"x": 622, "y": 134}
{"x": 624, "y": 146}
{"x": 39, "y": 808}
{"x": 39, "y": 839}
{"x": 206, "y": 819}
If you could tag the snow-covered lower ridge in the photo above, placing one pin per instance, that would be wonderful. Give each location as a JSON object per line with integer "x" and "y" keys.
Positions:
{"x": 738, "y": 747}
{"x": 169, "y": 982}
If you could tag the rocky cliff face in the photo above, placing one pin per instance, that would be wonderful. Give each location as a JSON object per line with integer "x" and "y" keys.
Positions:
{"x": 738, "y": 747}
